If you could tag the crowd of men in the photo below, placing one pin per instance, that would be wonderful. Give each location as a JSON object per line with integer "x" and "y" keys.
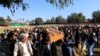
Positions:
{"x": 36, "y": 41}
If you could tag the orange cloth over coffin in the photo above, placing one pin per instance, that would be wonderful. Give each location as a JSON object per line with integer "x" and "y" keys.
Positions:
{"x": 55, "y": 34}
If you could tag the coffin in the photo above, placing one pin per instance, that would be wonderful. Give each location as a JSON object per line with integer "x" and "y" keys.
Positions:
{"x": 55, "y": 34}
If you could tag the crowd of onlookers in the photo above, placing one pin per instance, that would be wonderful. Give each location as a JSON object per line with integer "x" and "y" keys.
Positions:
{"x": 36, "y": 41}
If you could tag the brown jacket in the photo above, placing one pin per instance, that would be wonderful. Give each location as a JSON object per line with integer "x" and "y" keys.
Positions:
{"x": 58, "y": 51}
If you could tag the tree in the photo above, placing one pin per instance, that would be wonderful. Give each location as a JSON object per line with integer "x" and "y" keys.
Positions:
{"x": 32, "y": 22}
{"x": 13, "y": 5}
{"x": 59, "y": 19}
{"x": 60, "y": 3}
{"x": 47, "y": 22}
{"x": 38, "y": 21}
{"x": 76, "y": 17}
{"x": 53, "y": 20}
{"x": 9, "y": 19}
{"x": 2, "y": 21}
{"x": 96, "y": 16}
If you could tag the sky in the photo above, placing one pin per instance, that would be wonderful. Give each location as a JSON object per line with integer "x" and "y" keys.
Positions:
{"x": 40, "y": 8}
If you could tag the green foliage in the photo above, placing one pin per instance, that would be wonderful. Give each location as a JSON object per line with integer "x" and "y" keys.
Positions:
{"x": 59, "y": 19}
{"x": 38, "y": 21}
{"x": 96, "y": 17}
{"x": 76, "y": 17}
{"x": 60, "y": 3}
{"x": 13, "y": 5}
{"x": 48, "y": 22}
{"x": 2, "y": 21}
{"x": 32, "y": 22}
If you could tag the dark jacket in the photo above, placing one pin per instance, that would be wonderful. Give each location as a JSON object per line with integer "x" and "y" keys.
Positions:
{"x": 7, "y": 47}
{"x": 46, "y": 51}
{"x": 68, "y": 43}
{"x": 37, "y": 48}
{"x": 92, "y": 39}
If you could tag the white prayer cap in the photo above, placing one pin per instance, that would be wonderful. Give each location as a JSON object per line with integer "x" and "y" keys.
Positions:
{"x": 94, "y": 34}
{"x": 23, "y": 35}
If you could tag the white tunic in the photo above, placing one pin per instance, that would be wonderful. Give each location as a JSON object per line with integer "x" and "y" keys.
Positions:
{"x": 25, "y": 49}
